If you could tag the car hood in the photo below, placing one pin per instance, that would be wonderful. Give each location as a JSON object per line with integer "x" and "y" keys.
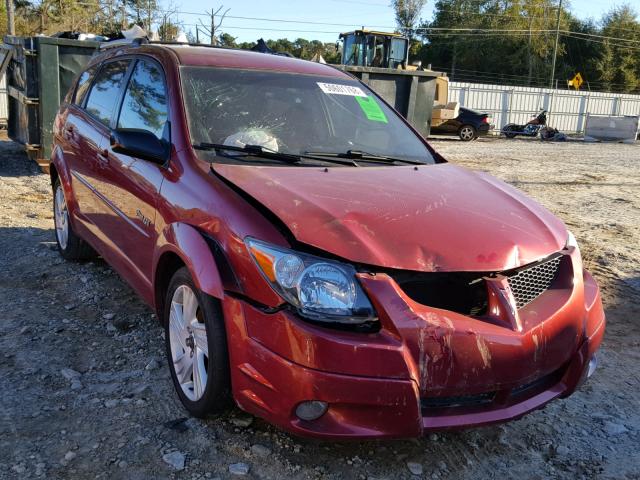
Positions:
{"x": 433, "y": 218}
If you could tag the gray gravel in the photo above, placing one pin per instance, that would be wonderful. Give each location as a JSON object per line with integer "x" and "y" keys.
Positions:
{"x": 85, "y": 391}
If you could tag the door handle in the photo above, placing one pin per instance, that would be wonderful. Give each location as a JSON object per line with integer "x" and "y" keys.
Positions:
{"x": 103, "y": 156}
{"x": 68, "y": 132}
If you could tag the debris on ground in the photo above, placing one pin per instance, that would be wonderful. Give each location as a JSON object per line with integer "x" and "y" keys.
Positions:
{"x": 124, "y": 420}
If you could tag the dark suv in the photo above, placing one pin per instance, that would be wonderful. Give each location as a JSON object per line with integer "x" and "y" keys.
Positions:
{"x": 309, "y": 255}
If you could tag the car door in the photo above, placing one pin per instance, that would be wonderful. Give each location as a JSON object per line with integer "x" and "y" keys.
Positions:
{"x": 134, "y": 183}
{"x": 80, "y": 142}
{"x": 87, "y": 132}
{"x": 453, "y": 125}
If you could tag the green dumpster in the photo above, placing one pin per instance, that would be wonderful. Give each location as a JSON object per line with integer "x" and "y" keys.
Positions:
{"x": 40, "y": 70}
{"x": 410, "y": 92}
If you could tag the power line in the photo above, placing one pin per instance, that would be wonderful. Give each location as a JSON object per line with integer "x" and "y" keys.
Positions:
{"x": 426, "y": 30}
{"x": 235, "y": 27}
{"x": 601, "y": 36}
{"x": 602, "y": 42}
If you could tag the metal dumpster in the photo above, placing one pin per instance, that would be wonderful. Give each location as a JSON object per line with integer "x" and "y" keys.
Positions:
{"x": 410, "y": 92}
{"x": 39, "y": 72}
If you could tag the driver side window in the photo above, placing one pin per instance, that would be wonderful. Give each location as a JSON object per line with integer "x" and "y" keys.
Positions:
{"x": 145, "y": 101}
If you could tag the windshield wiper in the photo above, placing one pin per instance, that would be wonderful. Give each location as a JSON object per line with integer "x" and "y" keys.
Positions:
{"x": 266, "y": 152}
{"x": 258, "y": 150}
{"x": 368, "y": 157}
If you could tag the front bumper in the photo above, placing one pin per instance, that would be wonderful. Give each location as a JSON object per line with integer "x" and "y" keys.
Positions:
{"x": 427, "y": 369}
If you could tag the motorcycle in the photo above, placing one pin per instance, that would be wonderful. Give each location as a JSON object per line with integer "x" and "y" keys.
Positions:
{"x": 530, "y": 129}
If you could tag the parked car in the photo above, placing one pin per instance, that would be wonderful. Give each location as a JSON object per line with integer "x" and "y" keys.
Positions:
{"x": 468, "y": 125}
{"x": 310, "y": 257}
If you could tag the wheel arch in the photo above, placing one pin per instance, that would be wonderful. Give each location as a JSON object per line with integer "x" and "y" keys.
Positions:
{"x": 53, "y": 173}
{"x": 57, "y": 169}
{"x": 183, "y": 245}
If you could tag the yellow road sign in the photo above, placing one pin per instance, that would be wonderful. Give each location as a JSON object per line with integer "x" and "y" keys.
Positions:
{"x": 576, "y": 81}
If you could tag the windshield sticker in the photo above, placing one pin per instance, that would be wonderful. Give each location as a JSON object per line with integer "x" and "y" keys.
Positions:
{"x": 337, "y": 89}
{"x": 371, "y": 109}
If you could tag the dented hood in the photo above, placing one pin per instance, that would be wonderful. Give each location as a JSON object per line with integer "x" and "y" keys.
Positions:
{"x": 433, "y": 218}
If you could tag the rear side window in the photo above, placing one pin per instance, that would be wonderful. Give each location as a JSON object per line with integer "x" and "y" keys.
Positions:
{"x": 84, "y": 82}
{"x": 145, "y": 101}
{"x": 105, "y": 90}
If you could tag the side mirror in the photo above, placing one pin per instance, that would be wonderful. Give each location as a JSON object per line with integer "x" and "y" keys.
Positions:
{"x": 140, "y": 144}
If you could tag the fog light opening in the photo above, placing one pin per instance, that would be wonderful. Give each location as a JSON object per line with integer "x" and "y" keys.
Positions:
{"x": 311, "y": 410}
{"x": 593, "y": 364}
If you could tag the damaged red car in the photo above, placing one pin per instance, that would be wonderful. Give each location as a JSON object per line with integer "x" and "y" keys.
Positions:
{"x": 310, "y": 257}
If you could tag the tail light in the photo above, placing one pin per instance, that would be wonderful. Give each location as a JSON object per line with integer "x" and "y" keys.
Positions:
{"x": 485, "y": 119}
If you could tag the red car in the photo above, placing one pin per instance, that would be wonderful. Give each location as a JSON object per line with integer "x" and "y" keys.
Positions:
{"x": 310, "y": 256}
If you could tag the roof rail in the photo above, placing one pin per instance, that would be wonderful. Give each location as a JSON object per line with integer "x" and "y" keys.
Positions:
{"x": 124, "y": 42}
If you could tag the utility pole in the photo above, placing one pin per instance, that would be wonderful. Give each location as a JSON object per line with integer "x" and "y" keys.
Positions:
{"x": 555, "y": 48}
{"x": 123, "y": 13}
{"x": 530, "y": 52}
{"x": 149, "y": 17}
{"x": 11, "y": 22}
{"x": 213, "y": 28}
{"x": 197, "y": 35}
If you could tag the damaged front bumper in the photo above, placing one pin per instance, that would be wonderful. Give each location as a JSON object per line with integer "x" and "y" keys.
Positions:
{"x": 425, "y": 369}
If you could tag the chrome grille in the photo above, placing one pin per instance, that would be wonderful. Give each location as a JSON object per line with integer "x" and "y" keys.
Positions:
{"x": 529, "y": 283}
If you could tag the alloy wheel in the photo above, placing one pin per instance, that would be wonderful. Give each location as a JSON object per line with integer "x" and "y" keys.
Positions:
{"x": 188, "y": 342}
{"x": 61, "y": 218}
{"x": 466, "y": 133}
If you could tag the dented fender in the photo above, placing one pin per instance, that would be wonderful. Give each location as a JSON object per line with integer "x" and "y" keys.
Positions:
{"x": 188, "y": 243}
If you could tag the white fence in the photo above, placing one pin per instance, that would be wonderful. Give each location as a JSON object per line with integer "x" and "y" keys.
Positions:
{"x": 568, "y": 110}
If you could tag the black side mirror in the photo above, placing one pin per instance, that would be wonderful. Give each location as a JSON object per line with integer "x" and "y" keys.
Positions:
{"x": 140, "y": 144}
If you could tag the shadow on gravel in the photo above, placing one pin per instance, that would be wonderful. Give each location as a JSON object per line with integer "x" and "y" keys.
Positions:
{"x": 14, "y": 162}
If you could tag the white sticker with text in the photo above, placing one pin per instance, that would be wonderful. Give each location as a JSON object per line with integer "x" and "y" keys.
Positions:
{"x": 336, "y": 89}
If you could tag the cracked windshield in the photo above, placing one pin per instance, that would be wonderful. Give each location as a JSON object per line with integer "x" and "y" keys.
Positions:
{"x": 293, "y": 114}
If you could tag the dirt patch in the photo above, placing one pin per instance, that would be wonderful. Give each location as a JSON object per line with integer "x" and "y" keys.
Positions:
{"x": 85, "y": 391}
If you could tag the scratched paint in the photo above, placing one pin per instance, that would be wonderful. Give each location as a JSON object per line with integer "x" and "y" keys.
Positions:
{"x": 484, "y": 351}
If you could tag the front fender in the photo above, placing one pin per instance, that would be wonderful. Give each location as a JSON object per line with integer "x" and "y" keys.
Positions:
{"x": 188, "y": 244}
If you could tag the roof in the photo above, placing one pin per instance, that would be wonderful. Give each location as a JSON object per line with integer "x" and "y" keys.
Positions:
{"x": 235, "y": 58}
{"x": 373, "y": 32}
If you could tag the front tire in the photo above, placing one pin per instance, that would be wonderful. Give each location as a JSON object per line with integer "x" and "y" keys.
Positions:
{"x": 467, "y": 133}
{"x": 70, "y": 245}
{"x": 508, "y": 130}
{"x": 196, "y": 346}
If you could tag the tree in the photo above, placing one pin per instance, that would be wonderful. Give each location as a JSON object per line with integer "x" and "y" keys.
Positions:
{"x": 521, "y": 55}
{"x": 408, "y": 14}
{"x": 168, "y": 30}
{"x": 227, "y": 40}
{"x": 619, "y": 61}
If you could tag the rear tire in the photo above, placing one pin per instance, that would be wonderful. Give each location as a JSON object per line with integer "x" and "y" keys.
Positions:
{"x": 196, "y": 346}
{"x": 70, "y": 245}
{"x": 467, "y": 133}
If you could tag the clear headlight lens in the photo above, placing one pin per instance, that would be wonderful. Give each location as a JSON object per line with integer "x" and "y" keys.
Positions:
{"x": 322, "y": 290}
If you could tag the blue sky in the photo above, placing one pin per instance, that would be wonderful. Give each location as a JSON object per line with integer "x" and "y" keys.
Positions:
{"x": 349, "y": 13}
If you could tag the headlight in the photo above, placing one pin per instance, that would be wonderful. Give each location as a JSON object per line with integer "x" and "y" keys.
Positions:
{"x": 321, "y": 290}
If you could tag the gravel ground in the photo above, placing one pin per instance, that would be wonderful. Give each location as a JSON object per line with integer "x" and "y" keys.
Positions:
{"x": 85, "y": 391}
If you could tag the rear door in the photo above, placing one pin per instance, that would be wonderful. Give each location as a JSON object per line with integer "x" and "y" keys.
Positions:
{"x": 87, "y": 132}
{"x": 80, "y": 142}
{"x": 134, "y": 183}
